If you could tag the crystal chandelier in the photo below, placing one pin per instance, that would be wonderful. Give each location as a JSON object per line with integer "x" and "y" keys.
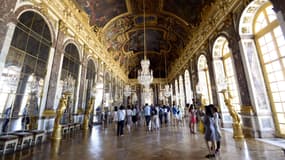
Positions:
{"x": 167, "y": 91}
{"x": 127, "y": 90}
{"x": 147, "y": 92}
{"x": 34, "y": 85}
{"x": 145, "y": 76}
{"x": 68, "y": 84}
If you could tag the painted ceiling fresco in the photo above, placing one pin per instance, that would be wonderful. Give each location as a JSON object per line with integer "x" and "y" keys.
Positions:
{"x": 185, "y": 9}
{"x": 169, "y": 27}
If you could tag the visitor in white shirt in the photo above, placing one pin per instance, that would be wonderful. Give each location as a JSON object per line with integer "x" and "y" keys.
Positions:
{"x": 121, "y": 121}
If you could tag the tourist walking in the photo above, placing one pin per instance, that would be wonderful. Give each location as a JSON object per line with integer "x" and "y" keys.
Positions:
{"x": 121, "y": 121}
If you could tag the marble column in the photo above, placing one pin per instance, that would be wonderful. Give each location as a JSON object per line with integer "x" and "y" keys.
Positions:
{"x": 81, "y": 86}
{"x": 55, "y": 71}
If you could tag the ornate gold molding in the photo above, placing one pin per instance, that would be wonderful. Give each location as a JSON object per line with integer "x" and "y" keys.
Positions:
{"x": 49, "y": 113}
{"x": 155, "y": 81}
{"x": 210, "y": 22}
{"x": 77, "y": 21}
{"x": 246, "y": 110}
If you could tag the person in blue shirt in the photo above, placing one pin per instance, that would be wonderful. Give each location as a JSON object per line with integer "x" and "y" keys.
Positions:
{"x": 26, "y": 118}
{"x": 7, "y": 119}
{"x": 147, "y": 114}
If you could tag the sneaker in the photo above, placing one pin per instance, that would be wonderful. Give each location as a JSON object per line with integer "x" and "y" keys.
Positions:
{"x": 210, "y": 156}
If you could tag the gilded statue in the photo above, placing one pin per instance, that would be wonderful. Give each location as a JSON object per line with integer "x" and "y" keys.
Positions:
{"x": 232, "y": 111}
{"x": 56, "y": 135}
{"x": 227, "y": 100}
{"x": 60, "y": 110}
{"x": 237, "y": 129}
{"x": 87, "y": 113}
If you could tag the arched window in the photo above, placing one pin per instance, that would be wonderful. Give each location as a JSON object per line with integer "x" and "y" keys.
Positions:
{"x": 90, "y": 78}
{"x": 224, "y": 71}
{"x": 204, "y": 80}
{"x": 181, "y": 92}
{"x": 25, "y": 68}
{"x": 271, "y": 49}
{"x": 70, "y": 69}
{"x": 188, "y": 89}
{"x": 264, "y": 57}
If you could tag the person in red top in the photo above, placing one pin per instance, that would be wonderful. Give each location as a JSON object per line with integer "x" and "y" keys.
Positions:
{"x": 192, "y": 118}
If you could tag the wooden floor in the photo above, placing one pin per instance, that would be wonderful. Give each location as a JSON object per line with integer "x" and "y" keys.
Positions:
{"x": 170, "y": 143}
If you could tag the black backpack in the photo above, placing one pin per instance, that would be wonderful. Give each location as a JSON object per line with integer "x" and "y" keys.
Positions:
{"x": 153, "y": 111}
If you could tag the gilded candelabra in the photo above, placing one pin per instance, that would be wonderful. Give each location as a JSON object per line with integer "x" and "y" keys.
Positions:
{"x": 237, "y": 129}
{"x": 56, "y": 134}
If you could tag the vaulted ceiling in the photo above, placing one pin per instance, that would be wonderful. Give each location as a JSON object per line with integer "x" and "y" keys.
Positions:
{"x": 169, "y": 27}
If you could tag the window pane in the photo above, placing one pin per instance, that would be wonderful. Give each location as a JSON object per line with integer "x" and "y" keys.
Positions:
{"x": 282, "y": 94}
{"x": 41, "y": 69}
{"x": 266, "y": 58}
{"x": 14, "y": 58}
{"x": 261, "y": 41}
{"x": 282, "y": 50}
{"x": 269, "y": 68}
{"x": 268, "y": 38}
{"x": 276, "y": 97}
{"x": 46, "y": 34}
{"x": 29, "y": 64}
{"x": 274, "y": 87}
{"x": 273, "y": 55}
{"x": 38, "y": 24}
{"x": 276, "y": 65}
{"x": 33, "y": 46}
{"x": 19, "y": 39}
{"x": 26, "y": 18}
{"x": 44, "y": 52}
{"x": 279, "y": 107}
{"x": 260, "y": 22}
{"x": 279, "y": 75}
{"x": 271, "y": 14}
{"x": 282, "y": 128}
{"x": 281, "y": 85}
{"x": 271, "y": 77}
{"x": 281, "y": 118}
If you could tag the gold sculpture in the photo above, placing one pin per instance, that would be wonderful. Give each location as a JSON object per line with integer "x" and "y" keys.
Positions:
{"x": 237, "y": 129}
{"x": 56, "y": 134}
{"x": 87, "y": 113}
{"x": 201, "y": 126}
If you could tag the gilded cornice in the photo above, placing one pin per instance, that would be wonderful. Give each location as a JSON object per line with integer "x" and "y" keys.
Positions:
{"x": 77, "y": 21}
{"x": 211, "y": 20}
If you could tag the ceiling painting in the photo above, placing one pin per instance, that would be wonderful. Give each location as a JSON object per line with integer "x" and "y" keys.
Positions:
{"x": 169, "y": 27}
{"x": 154, "y": 41}
{"x": 185, "y": 9}
{"x": 102, "y": 11}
